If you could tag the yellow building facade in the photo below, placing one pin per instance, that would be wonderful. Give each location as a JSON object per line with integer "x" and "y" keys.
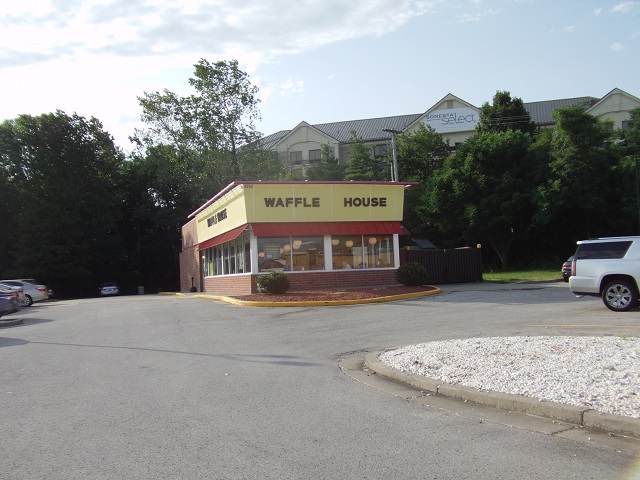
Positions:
{"x": 326, "y": 234}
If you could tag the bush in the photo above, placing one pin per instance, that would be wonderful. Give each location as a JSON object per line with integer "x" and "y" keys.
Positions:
{"x": 274, "y": 282}
{"x": 412, "y": 274}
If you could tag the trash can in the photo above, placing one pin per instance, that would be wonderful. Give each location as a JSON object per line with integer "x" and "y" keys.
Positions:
{"x": 140, "y": 290}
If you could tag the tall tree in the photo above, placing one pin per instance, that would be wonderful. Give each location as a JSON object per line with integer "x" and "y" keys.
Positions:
{"x": 226, "y": 103}
{"x": 485, "y": 192}
{"x": 505, "y": 113}
{"x": 421, "y": 153}
{"x": 328, "y": 168}
{"x": 632, "y": 133}
{"x": 209, "y": 128}
{"x": 584, "y": 164}
{"x": 360, "y": 165}
{"x": 65, "y": 172}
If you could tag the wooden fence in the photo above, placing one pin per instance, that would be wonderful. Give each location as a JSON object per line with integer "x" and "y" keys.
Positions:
{"x": 457, "y": 265}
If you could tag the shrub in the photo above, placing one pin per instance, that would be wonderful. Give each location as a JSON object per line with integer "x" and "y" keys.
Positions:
{"x": 412, "y": 274}
{"x": 274, "y": 282}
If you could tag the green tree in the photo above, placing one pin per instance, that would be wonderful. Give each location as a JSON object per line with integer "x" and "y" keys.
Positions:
{"x": 360, "y": 165}
{"x": 485, "y": 192}
{"x": 259, "y": 164}
{"x": 190, "y": 148}
{"x": 632, "y": 133}
{"x": 64, "y": 173}
{"x": 210, "y": 128}
{"x": 226, "y": 104}
{"x": 505, "y": 113}
{"x": 584, "y": 181}
{"x": 421, "y": 153}
{"x": 328, "y": 168}
{"x": 158, "y": 199}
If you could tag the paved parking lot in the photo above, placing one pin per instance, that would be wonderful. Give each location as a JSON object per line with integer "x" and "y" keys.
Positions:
{"x": 168, "y": 387}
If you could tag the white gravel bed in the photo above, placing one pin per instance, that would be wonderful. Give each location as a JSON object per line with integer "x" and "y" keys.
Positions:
{"x": 601, "y": 373}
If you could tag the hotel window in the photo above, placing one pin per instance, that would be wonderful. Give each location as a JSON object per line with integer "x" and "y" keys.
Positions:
{"x": 379, "y": 151}
{"x": 368, "y": 251}
{"x": 315, "y": 155}
{"x": 295, "y": 157}
{"x": 449, "y": 104}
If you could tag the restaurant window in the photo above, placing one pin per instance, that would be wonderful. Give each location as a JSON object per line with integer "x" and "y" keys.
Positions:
{"x": 290, "y": 254}
{"x": 362, "y": 251}
{"x": 228, "y": 258}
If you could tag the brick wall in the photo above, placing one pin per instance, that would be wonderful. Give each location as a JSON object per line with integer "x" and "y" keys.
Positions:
{"x": 231, "y": 284}
{"x": 189, "y": 268}
{"x": 246, "y": 284}
{"x": 341, "y": 279}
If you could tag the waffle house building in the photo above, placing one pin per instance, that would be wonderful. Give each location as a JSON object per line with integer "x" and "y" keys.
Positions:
{"x": 322, "y": 234}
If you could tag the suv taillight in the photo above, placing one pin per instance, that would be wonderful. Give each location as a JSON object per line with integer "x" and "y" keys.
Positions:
{"x": 573, "y": 267}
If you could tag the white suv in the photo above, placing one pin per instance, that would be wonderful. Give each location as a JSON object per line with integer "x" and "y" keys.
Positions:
{"x": 608, "y": 268}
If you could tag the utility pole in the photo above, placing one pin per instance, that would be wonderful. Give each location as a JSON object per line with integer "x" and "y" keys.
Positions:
{"x": 394, "y": 177}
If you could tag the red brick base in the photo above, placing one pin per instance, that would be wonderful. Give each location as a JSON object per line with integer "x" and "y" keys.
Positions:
{"x": 335, "y": 280}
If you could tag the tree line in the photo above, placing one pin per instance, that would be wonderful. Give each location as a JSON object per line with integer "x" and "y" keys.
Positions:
{"x": 77, "y": 211}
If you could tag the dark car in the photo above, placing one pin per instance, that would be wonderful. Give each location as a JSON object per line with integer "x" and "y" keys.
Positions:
{"x": 9, "y": 301}
{"x": 566, "y": 269}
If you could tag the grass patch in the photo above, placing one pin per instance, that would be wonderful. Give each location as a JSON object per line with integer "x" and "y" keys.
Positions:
{"x": 523, "y": 276}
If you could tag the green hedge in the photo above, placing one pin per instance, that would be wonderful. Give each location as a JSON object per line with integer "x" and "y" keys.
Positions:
{"x": 412, "y": 274}
{"x": 274, "y": 282}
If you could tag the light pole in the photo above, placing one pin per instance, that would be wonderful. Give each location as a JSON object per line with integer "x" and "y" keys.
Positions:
{"x": 394, "y": 177}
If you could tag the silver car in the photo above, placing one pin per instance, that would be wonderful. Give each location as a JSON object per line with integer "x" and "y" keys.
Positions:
{"x": 32, "y": 292}
{"x": 21, "y": 296}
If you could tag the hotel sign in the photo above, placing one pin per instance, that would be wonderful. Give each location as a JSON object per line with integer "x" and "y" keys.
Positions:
{"x": 452, "y": 120}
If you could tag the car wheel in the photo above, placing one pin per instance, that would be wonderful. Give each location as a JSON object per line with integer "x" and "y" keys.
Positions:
{"x": 620, "y": 295}
{"x": 28, "y": 301}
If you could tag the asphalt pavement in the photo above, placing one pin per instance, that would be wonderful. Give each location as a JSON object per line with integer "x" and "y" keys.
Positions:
{"x": 579, "y": 416}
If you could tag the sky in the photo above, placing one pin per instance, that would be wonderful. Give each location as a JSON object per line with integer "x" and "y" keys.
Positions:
{"x": 317, "y": 61}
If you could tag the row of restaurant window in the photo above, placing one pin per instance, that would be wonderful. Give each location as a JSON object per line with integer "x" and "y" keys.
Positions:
{"x": 300, "y": 253}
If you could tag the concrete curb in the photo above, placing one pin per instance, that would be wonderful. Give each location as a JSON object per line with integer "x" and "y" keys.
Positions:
{"x": 244, "y": 303}
{"x": 579, "y": 416}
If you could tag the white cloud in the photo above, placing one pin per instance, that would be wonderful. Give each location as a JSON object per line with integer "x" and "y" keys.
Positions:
{"x": 476, "y": 17}
{"x": 569, "y": 29}
{"x": 597, "y": 12}
{"x": 289, "y": 88}
{"x": 33, "y": 31}
{"x": 626, "y": 7}
{"x": 95, "y": 57}
{"x": 616, "y": 46}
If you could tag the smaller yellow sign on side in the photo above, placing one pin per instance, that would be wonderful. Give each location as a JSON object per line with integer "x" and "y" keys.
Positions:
{"x": 223, "y": 215}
